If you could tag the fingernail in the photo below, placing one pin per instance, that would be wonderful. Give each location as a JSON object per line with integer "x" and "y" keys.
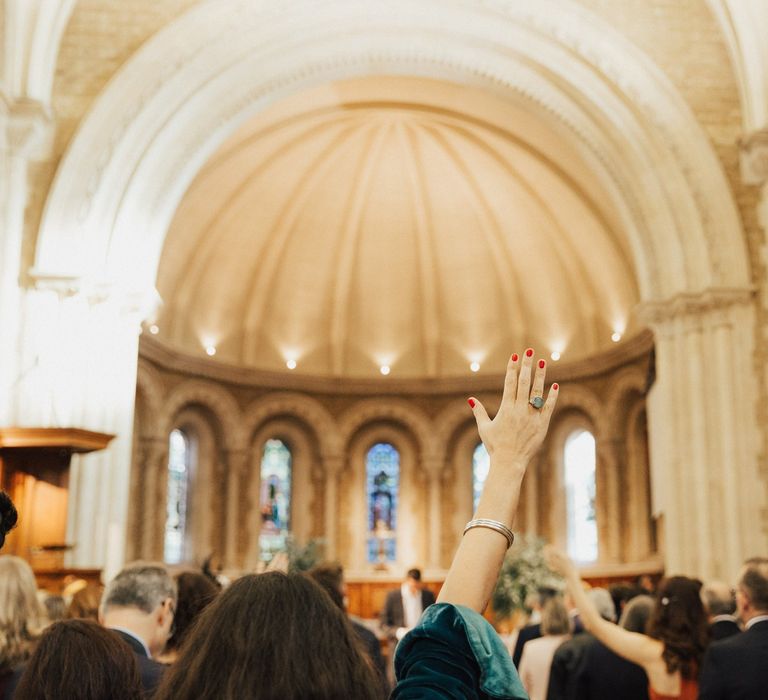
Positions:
{"x": 529, "y": 352}
{"x": 471, "y": 403}
{"x": 555, "y": 386}
{"x": 515, "y": 357}
{"x": 541, "y": 364}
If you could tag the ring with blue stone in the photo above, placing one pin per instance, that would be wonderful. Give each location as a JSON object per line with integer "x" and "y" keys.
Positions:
{"x": 536, "y": 401}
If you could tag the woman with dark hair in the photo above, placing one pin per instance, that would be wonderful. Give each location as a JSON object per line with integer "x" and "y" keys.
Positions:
{"x": 80, "y": 660}
{"x": 271, "y": 635}
{"x": 195, "y": 592}
{"x": 678, "y": 633}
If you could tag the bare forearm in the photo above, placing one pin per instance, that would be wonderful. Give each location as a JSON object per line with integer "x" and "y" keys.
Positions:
{"x": 476, "y": 565}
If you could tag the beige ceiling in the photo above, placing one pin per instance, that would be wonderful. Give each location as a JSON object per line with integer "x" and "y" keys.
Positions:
{"x": 395, "y": 221}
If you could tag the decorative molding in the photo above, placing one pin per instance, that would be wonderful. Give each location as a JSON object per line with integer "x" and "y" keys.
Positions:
{"x": 26, "y": 128}
{"x": 694, "y": 304}
{"x": 753, "y": 157}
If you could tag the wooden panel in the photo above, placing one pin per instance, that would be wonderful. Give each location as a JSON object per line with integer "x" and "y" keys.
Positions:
{"x": 56, "y": 580}
{"x": 366, "y": 597}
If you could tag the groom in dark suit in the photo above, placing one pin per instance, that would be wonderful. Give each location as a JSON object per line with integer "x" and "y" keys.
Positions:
{"x": 737, "y": 668}
{"x": 404, "y": 606}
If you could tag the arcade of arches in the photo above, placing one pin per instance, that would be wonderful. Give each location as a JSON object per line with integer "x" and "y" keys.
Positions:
{"x": 272, "y": 253}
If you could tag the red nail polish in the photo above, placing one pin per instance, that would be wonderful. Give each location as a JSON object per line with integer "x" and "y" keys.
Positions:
{"x": 541, "y": 364}
{"x": 471, "y": 403}
{"x": 528, "y": 352}
{"x": 555, "y": 387}
{"x": 514, "y": 357}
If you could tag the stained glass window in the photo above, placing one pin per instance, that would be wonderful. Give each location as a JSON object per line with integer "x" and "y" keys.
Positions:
{"x": 176, "y": 503}
{"x": 382, "y": 478}
{"x": 580, "y": 463}
{"x": 275, "y": 498}
{"x": 481, "y": 463}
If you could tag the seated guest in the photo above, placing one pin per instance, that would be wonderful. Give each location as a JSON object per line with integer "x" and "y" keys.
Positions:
{"x": 8, "y": 516}
{"x": 621, "y": 594}
{"x": 331, "y": 579}
{"x": 536, "y": 661}
{"x": 80, "y": 660}
{"x": 195, "y": 591}
{"x": 533, "y": 629}
{"x": 678, "y": 635}
{"x": 271, "y": 635}
{"x": 403, "y": 607}
{"x": 603, "y": 674}
{"x": 85, "y": 602}
{"x": 721, "y": 606}
{"x": 55, "y": 607}
{"x": 568, "y": 655}
{"x": 736, "y": 668}
{"x": 22, "y": 618}
{"x": 138, "y": 605}
{"x": 454, "y": 652}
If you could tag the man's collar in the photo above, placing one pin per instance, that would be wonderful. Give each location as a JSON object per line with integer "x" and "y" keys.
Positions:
{"x": 754, "y": 620}
{"x": 133, "y": 635}
{"x": 724, "y": 618}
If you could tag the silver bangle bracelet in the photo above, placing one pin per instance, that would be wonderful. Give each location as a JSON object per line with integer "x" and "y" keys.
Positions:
{"x": 492, "y": 525}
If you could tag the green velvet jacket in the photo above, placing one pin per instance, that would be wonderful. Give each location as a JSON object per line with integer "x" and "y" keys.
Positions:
{"x": 454, "y": 653}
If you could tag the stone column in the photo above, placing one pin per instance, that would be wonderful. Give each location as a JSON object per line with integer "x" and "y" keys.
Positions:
{"x": 237, "y": 464}
{"x": 151, "y": 464}
{"x": 608, "y": 515}
{"x": 702, "y": 428}
{"x": 433, "y": 467}
{"x": 333, "y": 466}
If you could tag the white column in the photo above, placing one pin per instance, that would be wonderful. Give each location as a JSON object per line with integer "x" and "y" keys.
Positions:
{"x": 702, "y": 428}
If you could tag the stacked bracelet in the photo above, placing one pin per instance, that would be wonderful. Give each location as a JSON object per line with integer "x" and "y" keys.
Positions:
{"x": 492, "y": 525}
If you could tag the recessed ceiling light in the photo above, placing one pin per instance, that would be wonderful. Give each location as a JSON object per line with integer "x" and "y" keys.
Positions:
{"x": 616, "y": 337}
{"x": 153, "y": 329}
{"x": 555, "y": 355}
{"x": 291, "y": 364}
{"x": 474, "y": 366}
{"x": 384, "y": 369}
{"x": 210, "y": 350}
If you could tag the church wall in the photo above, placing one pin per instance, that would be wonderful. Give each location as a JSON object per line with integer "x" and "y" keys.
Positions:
{"x": 434, "y": 433}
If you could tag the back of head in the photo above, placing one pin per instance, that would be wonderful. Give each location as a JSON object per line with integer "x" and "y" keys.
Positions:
{"x": 415, "y": 574}
{"x": 680, "y": 622}
{"x": 21, "y": 614}
{"x": 55, "y": 607}
{"x": 140, "y": 586}
{"x": 195, "y": 592}
{"x": 754, "y": 583}
{"x": 330, "y": 577}
{"x": 554, "y": 617}
{"x": 271, "y": 635}
{"x": 85, "y": 602}
{"x": 77, "y": 659}
{"x": 718, "y": 598}
{"x": 8, "y": 516}
{"x": 603, "y": 601}
{"x": 637, "y": 613}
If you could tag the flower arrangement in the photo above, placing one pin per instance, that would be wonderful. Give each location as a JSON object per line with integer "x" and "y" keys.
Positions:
{"x": 524, "y": 572}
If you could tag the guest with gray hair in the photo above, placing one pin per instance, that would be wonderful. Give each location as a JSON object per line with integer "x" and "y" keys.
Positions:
{"x": 603, "y": 674}
{"x": 720, "y": 603}
{"x": 568, "y": 656}
{"x": 139, "y": 605}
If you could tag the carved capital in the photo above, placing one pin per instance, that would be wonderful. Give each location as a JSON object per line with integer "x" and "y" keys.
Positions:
{"x": 753, "y": 157}
{"x": 333, "y": 465}
{"x": 685, "y": 306}
{"x": 26, "y": 128}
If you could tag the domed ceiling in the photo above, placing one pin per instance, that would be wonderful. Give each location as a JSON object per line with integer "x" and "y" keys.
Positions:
{"x": 394, "y": 221}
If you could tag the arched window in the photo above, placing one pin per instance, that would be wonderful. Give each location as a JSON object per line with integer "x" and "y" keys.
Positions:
{"x": 579, "y": 461}
{"x": 275, "y": 498}
{"x": 481, "y": 463}
{"x": 179, "y": 456}
{"x": 382, "y": 479}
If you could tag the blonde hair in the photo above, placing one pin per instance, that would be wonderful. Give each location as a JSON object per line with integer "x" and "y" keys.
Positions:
{"x": 554, "y": 617}
{"x": 21, "y": 614}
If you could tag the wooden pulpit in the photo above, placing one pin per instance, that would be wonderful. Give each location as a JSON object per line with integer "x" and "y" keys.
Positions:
{"x": 34, "y": 470}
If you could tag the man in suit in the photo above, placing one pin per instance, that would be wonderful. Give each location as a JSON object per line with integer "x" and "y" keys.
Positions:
{"x": 721, "y": 605}
{"x": 139, "y": 605}
{"x": 403, "y": 608}
{"x": 735, "y": 668}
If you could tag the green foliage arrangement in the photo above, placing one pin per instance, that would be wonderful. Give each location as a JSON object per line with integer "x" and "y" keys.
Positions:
{"x": 304, "y": 557}
{"x": 523, "y": 572}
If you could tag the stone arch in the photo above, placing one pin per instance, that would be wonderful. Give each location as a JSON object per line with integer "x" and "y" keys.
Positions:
{"x": 449, "y": 421}
{"x": 217, "y": 400}
{"x": 400, "y": 411}
{"x": 626, "y": 382}
{"x": 585, "y": 401}
{"x": 223, "y": 61}
{"x": 310, "y": 411}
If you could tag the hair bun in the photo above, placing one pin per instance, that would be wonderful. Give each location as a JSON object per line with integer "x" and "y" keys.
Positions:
{"x": 8, "y": 516}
